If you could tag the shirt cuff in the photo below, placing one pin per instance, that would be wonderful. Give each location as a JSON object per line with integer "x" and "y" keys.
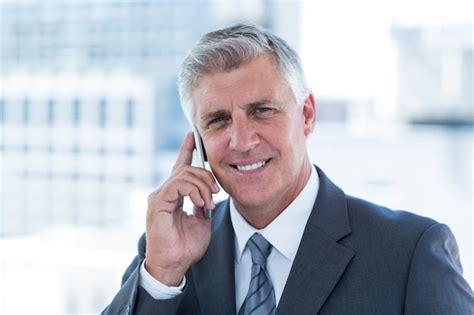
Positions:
{"x": 155, "y": 288}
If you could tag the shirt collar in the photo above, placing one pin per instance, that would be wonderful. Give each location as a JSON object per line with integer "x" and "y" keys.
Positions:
{"x": 292, "y": 220}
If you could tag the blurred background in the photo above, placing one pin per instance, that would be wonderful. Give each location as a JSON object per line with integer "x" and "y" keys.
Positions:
{"x": 90, "y": 123}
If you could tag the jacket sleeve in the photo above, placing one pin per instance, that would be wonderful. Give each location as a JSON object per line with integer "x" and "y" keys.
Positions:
{"x": 435, "y": 282}
{"x": 133, "y": 299}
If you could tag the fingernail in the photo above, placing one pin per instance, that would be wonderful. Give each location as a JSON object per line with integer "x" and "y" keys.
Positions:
{"x": 216, "y": 188}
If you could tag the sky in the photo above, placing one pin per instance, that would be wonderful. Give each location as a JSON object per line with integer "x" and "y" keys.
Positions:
{"x": 347, "y": 47}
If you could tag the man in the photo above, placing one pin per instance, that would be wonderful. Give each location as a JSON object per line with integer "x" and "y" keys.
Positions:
{"x": 288, "y": 241}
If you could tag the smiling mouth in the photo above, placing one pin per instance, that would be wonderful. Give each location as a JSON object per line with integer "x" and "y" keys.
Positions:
{"x": 251, "y": 167}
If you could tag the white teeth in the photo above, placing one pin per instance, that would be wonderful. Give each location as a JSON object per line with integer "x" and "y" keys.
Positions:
{"x": 251, "y": 167}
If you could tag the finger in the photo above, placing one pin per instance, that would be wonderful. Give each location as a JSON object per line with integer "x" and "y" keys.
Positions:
{"x": 176, "y": 194}
{"x": 201, "y": 178}
{"x": 185, "y": 155}
{"x": 188, "y": 182}
{"x": 191, "y": 190}
{"x": 196, "y": 199}
{"x": 204, "y": 190}
{"x": 207, "y": 177}
{"x": 199, "y": 213}
{"x": 191, "y": 172}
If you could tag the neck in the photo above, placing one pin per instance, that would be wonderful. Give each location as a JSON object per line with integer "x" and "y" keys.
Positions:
{"x": 261, "y": 215}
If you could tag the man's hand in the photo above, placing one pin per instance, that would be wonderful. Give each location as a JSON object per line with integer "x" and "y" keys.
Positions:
{"x": 175, "y": 240}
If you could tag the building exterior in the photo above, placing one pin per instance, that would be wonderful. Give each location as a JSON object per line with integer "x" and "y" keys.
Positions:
{"x": 72, "y": 147}
{"x": 89, "y": 104}
{"x": 435, "y": 74}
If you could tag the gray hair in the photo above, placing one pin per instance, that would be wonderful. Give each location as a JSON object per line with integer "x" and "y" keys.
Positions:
{"x": 226, "y": 49}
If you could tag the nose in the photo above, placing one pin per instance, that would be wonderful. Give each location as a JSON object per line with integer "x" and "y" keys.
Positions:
{"x": 243, "y": 135}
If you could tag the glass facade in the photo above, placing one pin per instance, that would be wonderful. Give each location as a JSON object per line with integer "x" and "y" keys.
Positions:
{"x": 89, "y": 120}
{"x": 91, "y": 85}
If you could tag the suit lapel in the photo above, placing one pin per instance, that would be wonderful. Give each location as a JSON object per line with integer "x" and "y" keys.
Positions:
{"x": 320, "y": 260}
{"x": 319, "y": 263}
{"x": 213, "y": 275}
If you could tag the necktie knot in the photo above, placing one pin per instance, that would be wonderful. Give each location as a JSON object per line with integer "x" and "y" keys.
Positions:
{"x": 260, "y": 248}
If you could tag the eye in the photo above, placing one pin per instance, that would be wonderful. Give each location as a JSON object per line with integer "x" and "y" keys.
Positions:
{"x": 217, "y": 122}
{"x": 263, "y": 111}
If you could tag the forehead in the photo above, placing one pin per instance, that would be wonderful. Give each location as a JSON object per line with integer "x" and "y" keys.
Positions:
{"x": 258, "y": 79}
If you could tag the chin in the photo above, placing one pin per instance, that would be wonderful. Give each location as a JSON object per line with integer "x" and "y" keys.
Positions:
{"x": 251, "y": 198}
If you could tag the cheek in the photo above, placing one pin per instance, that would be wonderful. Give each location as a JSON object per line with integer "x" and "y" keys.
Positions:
{"x": 285, "y": 133}
{"x": 292, "y": 139}
{"x": 214, "y": 148}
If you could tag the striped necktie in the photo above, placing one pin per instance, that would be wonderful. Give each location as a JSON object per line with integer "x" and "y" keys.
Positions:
{"x": 260, "y": 298}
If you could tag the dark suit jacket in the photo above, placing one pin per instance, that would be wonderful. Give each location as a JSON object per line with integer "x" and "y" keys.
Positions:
{"x": 355, "y": 257}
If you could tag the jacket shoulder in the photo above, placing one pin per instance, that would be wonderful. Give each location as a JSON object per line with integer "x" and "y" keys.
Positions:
{"x": 370, "y": 215}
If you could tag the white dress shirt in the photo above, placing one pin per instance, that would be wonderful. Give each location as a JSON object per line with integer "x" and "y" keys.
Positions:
{"x": 284, "y": 233}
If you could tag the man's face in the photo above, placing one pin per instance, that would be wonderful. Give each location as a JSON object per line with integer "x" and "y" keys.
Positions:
{"x": 254, "y": 134}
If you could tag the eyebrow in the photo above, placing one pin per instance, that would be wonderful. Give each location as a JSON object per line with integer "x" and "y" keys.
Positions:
{"x": 254, "y": 105}
{"x": 215, "y": 114}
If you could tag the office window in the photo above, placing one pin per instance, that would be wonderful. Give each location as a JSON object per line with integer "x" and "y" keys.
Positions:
{"x": 76, "y": 150}
{"x": 76, "y": 111}
{"x": 51, "y": 106}
{"x": 102, "y": 150}
{"x": 102, "y": 113}
{"x": 130, "y": 113}
{"x": 101, "y": 178}
{"x": 26, "y": 111}
{"x": 128, "y": 179}
{"x": 2, "y": 111}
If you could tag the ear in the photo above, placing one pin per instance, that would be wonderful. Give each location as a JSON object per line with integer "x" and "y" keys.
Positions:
{"x": 309, "y": 114}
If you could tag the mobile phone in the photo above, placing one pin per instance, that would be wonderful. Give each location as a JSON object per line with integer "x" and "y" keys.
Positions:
{"x": 199, "y": 159}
